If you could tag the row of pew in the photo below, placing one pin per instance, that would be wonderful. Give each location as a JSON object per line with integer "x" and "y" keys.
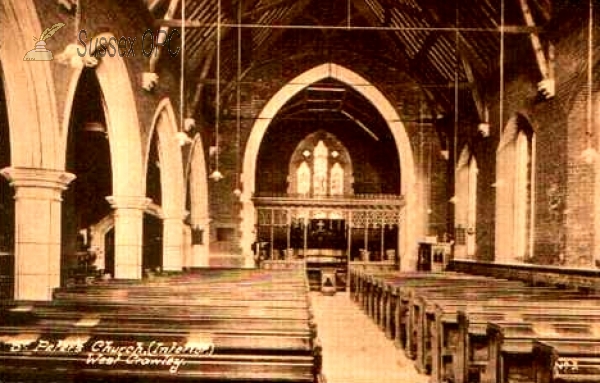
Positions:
{"x": 463, "y": 328}
{"x": 214, "y": 325}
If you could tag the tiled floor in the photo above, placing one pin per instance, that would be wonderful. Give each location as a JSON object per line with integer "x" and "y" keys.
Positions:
{"x": 355, "y": 350}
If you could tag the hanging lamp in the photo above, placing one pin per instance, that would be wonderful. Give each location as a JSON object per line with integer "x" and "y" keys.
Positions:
{"x": 182, "y": 136}
{"x": 216, "y": 175}
{"x": 453, "y": 200}
{"x": 237, "y": 192}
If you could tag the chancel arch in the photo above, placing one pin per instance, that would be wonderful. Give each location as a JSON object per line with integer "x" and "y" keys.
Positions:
{"x": 515, "y": 186}
{"x": 465, "y": 207}
{"x": 410, "y": 228}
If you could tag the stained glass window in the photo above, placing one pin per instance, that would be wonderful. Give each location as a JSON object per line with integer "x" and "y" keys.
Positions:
{"x": 303, "y": 176}
{"x": 320, "y": 168}
{"x": 337, "y": 179}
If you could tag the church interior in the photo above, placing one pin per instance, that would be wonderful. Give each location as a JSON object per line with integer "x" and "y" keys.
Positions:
{"x": 299, "y": 191}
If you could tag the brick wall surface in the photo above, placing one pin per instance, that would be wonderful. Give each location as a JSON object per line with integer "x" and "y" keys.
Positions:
{"x": 565, "y": 186}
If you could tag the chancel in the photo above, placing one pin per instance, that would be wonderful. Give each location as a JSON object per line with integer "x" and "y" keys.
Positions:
{"x": 299, "y": 191}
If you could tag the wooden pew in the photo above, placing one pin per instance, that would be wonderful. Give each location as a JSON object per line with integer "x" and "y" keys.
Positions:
{"x": 438, "y": 320}
{"x": 430, "y": 305}
{"x": 511, "y": 345}
{"x": 392, "y": 309}
{"x": 376, "y": 285}
{"x": 251, "y": 341}
{"x": 469, "y": 358}
{"x": 417, "y": 297}
{"x": 56, "y": 310}
{"x": 386, "y": 296}
{"x": 564, "y": 361}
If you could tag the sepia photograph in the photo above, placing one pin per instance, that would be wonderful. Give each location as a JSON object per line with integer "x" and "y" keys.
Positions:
{"x": 299, "y": 191}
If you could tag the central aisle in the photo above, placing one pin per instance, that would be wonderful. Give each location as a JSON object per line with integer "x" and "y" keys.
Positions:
{"x": 354, "y": 348}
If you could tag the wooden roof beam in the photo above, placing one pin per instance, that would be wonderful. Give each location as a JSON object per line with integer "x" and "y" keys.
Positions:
{"x": 478, "y": 99}
{"x": 546, "y": 87}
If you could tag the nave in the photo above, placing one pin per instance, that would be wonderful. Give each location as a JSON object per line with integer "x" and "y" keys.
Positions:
{"x": 398, "y": 147}
{"x": 240, "y": 325}
{"x": 264, "y": 326}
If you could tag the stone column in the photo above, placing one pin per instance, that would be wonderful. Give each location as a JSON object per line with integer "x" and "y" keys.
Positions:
{"x": 172, "y": 244}
{"x": 187, "y": 246}
{"x": 37, "y": 230}
{"x": 248, "y": 222}
{"x": 129, "y": 214}
{"x": 200, "y": 255}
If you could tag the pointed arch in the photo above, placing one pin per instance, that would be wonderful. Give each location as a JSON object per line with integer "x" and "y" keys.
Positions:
{"x": 465, "y": 210}
{"x": 199, "y": 214}
{"x": 411, "y": 227}
{"x": 164, "y": 124}
{"x": 126, "y": 157}
{"x": 515, "y": 191}
{"x": 306, "y": 153}
{"x": 122, "y": 123}
{"x": 30, "y": 91}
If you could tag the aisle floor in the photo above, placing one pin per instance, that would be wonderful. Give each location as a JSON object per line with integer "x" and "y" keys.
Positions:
{"x": 355, "y": 350}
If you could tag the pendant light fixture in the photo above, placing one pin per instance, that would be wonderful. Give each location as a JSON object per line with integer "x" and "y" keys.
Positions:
{"x": 454, "y": 199}
{"x": 182, "y": 136}
{"x": 216, "y": 174}
{"x": 238, "y": 122}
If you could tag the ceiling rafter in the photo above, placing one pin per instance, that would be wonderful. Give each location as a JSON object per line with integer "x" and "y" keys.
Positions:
{"x": 261, "y": 9}
{"x": 468, "y": 53}
{"x": 433, "y": 103}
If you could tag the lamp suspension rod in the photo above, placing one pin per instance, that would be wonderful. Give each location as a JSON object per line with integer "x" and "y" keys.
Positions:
{"x": 182, "y": 71}
{"x": 590, "y": 73}
{"x": 238, "y": 94}
{"x": 218, "y": 86}
{"x": 501, "y": 64}
{"x": 456, "y": 93}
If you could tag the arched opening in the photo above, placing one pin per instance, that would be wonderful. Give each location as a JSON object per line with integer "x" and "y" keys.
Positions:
{"x": 515, "y": 197}
{"x": 320, "y": 166}
{"x": 123, "y": 128}
{"x": 165, "y": 189}
{"x": 84, "y": 203}
{"x": 198, "y": 196}
{"x": 409, "y": 227}
{"x": 465, "y": 211}
{"x": 7, "y": 204}
{"x": 153, "y": 228}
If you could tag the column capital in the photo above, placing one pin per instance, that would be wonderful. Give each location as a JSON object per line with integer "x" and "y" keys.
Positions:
{"x": 37, "y": 178}
{"x": 128, "y": 202}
